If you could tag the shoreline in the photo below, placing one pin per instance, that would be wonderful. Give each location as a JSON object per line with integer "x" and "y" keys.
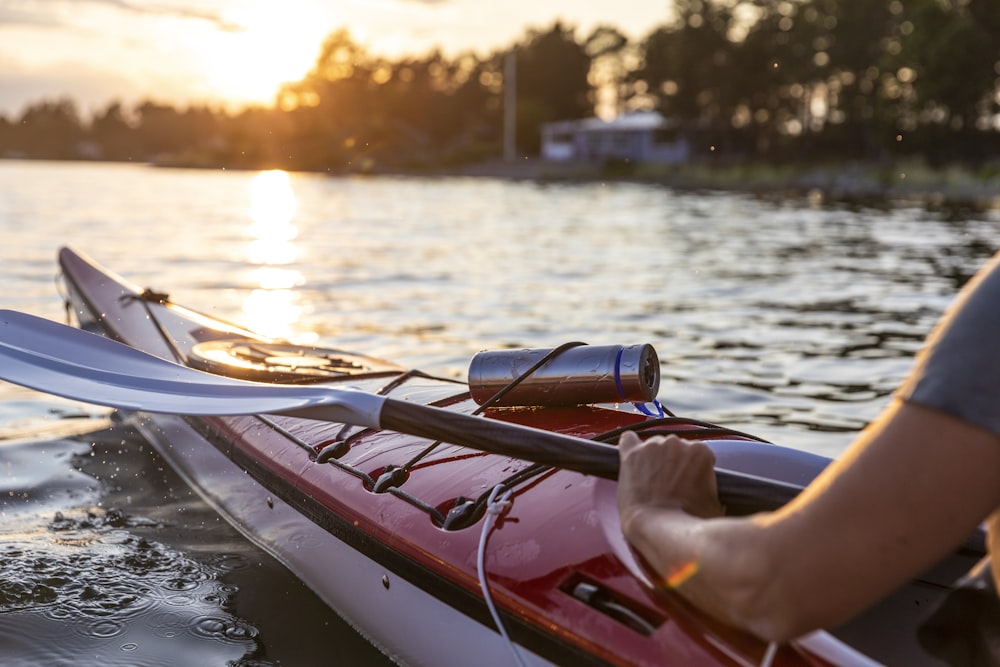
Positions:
{"x": 901, "y": 183}
{"x": 909, "y": 182}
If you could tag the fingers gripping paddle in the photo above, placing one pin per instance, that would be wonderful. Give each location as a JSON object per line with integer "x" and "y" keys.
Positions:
{"x": 72, "y": 363}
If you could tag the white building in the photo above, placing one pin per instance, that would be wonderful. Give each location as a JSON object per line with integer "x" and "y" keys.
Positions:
{"x": 643, "y": 136}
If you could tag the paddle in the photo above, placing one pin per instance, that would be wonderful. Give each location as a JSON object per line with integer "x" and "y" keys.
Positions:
{"x": 72, "y": 363}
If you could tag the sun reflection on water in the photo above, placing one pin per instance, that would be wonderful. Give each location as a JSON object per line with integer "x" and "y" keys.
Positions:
{"x": 274, "y": 307}
{"x": 272, "y": 209}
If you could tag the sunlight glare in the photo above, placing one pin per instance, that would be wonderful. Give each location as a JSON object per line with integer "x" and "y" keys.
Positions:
{"x": 272, "y": 205}
{"x": 272, "y": 208}
{"x": 273, "y": 307}
{"x": 275, "y": 278}
{"x": 273, "y": 312}
{"x": 276, "y": 43}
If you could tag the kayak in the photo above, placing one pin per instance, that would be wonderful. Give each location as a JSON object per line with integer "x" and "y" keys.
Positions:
{"x": 438, "y": 545}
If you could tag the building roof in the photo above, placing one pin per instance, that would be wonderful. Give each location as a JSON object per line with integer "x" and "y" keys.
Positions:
{"x": 635, "y": 121}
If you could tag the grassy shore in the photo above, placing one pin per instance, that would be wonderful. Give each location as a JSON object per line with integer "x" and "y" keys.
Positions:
{"x": 910, "y": 181}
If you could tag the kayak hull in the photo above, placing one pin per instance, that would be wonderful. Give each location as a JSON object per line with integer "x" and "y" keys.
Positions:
{"x": 398, "y": 618}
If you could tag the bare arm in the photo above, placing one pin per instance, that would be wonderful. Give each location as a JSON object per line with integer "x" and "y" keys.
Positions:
{"x": 906, "y": 492}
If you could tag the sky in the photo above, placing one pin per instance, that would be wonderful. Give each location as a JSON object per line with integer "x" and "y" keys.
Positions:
{"x": 236, "y": 52}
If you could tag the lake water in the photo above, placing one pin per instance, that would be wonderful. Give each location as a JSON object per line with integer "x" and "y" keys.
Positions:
{"x": 792, "y": 319}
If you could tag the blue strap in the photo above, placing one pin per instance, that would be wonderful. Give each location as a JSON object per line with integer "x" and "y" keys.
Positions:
{"x": 641, "y": 407}
{"x": 618, "y": 374}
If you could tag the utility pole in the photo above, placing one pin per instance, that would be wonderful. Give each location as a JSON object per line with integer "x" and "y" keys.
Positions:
{"x": 510, "y": 106}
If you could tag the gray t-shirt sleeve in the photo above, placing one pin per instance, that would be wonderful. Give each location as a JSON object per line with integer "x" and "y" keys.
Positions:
{"x": 958, "y": 371}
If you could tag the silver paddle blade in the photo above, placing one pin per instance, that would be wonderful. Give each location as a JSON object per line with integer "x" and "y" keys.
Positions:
{"x": 68, "y": 362}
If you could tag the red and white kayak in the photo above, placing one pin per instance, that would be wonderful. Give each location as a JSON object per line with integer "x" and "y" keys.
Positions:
{"x": 444, "y": 554}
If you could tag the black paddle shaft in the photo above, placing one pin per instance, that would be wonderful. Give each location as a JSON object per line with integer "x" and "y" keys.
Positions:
{"x": 740, "y": 492}
{"x": 504, "y": 438}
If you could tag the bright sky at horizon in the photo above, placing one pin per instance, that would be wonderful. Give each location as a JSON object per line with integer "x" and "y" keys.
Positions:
{"x": 236, "y": 52}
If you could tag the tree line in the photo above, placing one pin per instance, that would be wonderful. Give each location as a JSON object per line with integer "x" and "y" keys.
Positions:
{"x": 765, "y": 80}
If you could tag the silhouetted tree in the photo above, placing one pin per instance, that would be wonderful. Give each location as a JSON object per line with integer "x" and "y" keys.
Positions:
{"x": 112, "y": 133}
{"x": 50, "y": 130}
{"x": 687, "y": 65}
{"x": 552, "y": 82}
{"x": 944, "y": 75}
{"x": 609, "y": 52}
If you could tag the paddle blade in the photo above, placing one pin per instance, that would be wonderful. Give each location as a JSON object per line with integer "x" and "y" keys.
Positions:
{"x": 68, "y": 362}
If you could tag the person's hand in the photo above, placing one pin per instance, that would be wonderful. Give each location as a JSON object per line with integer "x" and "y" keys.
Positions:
{"x": 666, "y": 472}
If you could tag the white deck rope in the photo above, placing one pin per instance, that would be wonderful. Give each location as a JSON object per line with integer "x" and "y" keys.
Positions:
{"x": 772, "y": 650}
{"x": 495, "y": 508}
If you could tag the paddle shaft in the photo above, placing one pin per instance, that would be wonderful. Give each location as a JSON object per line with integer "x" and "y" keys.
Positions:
{"x": 499, "y": 437}
{"x": 740, "y": 492}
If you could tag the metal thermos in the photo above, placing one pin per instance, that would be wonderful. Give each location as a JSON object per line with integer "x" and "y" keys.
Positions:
{"x": 579, "y": 375}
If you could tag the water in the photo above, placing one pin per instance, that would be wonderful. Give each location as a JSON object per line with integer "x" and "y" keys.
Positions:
{"x": 792, "y": 319}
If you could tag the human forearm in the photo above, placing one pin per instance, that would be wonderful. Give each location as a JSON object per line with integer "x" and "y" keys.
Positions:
{"x": 670, "y": 513}
{"x": 723, "y": 566}
{"x": 895, "y": 503}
